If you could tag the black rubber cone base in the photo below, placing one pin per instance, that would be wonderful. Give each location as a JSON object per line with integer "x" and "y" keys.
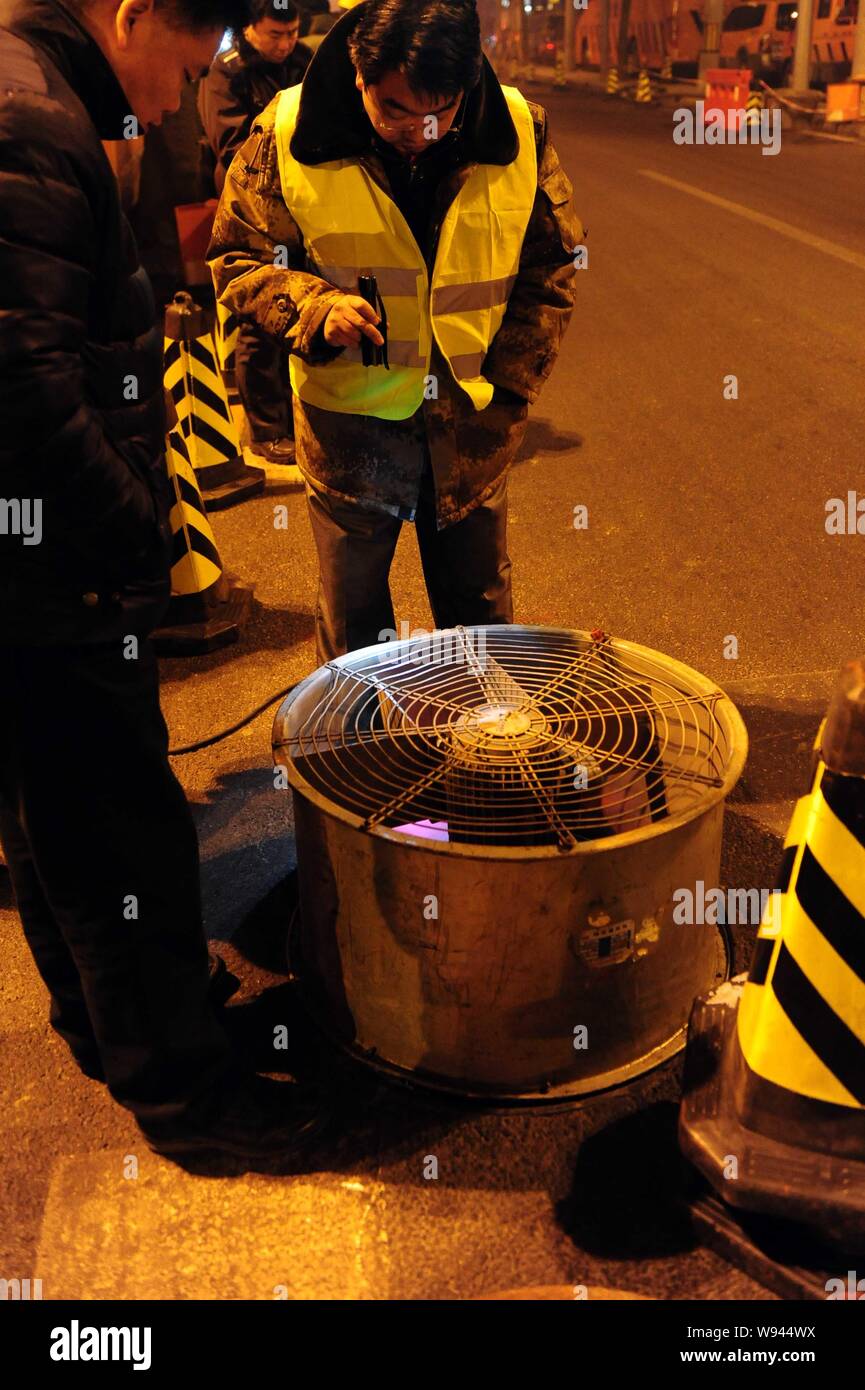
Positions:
{"x": 780, "y": 1256}
{"x": 199, "y": 623}
{"x": 225, "y": 484}
{"x": 815, "y": 1189}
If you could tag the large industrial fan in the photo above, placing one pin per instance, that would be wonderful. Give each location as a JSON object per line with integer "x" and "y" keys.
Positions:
{"x": 491, "y": 824}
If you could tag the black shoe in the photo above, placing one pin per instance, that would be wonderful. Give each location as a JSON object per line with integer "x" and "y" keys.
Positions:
{"x": 251, "y": 1118}
{"x": 274, "y": 450}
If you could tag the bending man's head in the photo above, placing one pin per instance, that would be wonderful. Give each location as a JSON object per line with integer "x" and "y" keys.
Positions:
{"x": 155, "y": 46}
{"x": 414, "y": 60}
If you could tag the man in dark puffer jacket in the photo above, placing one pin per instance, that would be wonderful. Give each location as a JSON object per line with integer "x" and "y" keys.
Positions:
{"x": 96, "y": 830}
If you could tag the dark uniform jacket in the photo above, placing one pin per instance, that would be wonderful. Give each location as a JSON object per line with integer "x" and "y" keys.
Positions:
{"x": 309, "y": 9}
{"x": 238, "y": 86}
{"x": 378, "y": 463}
{"x": 82, "y": 411}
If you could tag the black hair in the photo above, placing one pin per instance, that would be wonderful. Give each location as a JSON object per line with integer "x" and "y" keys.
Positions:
{"x": 435, "y": 43}
{"x": 283, "y": 11}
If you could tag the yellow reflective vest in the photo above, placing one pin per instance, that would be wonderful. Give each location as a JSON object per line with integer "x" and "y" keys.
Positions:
{"x": 351, "y": 226}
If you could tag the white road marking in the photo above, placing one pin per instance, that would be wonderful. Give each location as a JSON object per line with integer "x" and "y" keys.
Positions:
{"x": 817, "y": 243}
{"x": 841, "y": 139}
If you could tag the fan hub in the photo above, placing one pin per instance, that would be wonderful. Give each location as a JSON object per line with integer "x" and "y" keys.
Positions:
{"x": 497, "y": 725}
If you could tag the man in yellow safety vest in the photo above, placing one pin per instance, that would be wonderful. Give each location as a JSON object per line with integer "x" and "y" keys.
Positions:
{"x": 401, "y": 157}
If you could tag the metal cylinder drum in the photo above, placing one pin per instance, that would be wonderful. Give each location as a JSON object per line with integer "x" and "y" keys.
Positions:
{"x": 518, "y": 973}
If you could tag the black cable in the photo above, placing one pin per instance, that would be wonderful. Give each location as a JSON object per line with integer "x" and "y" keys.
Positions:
{"x": 224, "y": 733}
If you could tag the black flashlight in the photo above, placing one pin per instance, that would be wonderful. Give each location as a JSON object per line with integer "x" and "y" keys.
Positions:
{"x": 371, "y": 354}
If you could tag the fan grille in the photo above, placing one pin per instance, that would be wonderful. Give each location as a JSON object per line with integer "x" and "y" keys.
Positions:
{"x": 509, "y": 736}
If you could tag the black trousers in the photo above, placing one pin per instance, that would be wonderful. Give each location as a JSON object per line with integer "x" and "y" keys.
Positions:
{"x": 466, "y": 566}
{"x": 261, "y": 373}
{"x": 103, "y": 857}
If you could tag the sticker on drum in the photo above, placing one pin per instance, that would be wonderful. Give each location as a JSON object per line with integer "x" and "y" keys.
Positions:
{"x": 609, "y": 944}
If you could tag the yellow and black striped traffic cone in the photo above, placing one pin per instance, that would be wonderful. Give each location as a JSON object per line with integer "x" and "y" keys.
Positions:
{"x": 559, "y": 79}
{"x": 644, "y": 87}
{"x": 667, "y": 69}
{"x": 785, "y": 1092}
{"x": 206, "y": 610}
{"x": 613, "y": 82}
{"x": 753, "y": 107}
{"x": 193, "y": 378}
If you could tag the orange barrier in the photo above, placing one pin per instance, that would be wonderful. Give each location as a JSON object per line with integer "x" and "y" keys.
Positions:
{"x": 194, "y": 225}
{"x": 845, "y": 101}
{"x": 727, "y": 90}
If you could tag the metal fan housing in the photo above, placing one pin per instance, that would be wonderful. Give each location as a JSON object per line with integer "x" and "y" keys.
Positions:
{"x": 488, "y": 847}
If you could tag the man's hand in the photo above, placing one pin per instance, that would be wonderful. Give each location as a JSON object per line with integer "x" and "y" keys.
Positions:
{"x": 350, "y": 316}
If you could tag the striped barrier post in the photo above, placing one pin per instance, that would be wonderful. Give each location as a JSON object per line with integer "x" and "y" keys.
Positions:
{"x": 786, "y": 1096}
{"x": 193, "y": 378}
{"x": 206, "y": 610}
{"x": 195, "y": 562}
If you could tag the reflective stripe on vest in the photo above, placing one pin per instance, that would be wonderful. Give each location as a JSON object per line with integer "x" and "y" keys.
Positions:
{"x": 351, "y": 226}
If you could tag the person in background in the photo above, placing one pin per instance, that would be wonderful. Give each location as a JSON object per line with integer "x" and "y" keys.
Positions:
{"x": 264, "y": 58}
{"x": 95, "y": 828}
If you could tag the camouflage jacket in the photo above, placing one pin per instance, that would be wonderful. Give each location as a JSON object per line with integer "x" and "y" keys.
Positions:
{"x": 378, "y": 463}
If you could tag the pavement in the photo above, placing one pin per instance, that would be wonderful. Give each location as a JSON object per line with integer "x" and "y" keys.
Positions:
{"x": 706, "y": 521}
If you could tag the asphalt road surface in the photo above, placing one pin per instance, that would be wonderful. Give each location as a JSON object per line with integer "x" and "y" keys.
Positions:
{"x": 706, "y": 520}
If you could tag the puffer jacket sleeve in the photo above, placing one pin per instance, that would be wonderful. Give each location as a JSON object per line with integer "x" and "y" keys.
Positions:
{"x": 53, "y": 445}
{"x": 257, "y": 256}
{"x": 523, "y": 352}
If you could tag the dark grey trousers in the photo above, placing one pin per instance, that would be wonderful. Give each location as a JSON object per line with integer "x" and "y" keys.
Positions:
{"x": 466, "y": 567}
